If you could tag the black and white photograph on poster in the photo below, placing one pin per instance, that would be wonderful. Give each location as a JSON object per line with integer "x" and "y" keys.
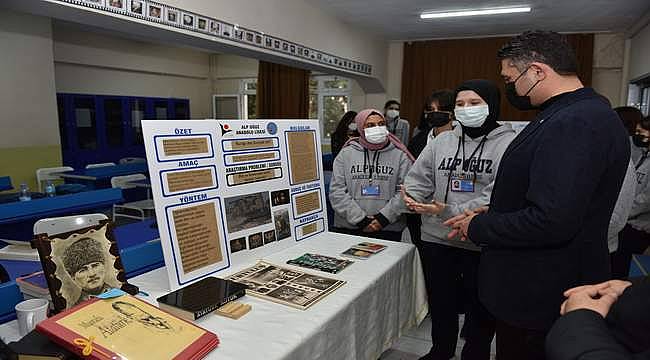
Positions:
{"x": 247, "y": 211}
{"x": 276, "y": 44}
{"x": 95, "y": 2}
{"x": 255, "y": 241}
{"x": 238, "y": 244}
{"x": 202, "y": 24}
{"x": 250, "y": 37}
{"x": 173, "y": 16}
{"x": 280, "y": 197}
{"x": 155, "y": 11}
{"x": 306, "y": 52}
{"x": 116, "y": 4}
{"x": 268, "y": 42}
{"x": 292, "y": 49}
{"x": 136, "y": 7}
{"x": 215, "y": 27}
{"x": 282, "y": 225}
{"x": 315, "y": 282}
{"x": 226, "y": 30}
{"x": 258, "y": 39}
{"x": 269, "y": 236}
{"x": 285, "y": 46}
{"x": 188, "y": 20}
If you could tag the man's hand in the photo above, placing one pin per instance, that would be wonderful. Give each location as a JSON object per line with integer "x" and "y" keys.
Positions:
{"x": 433, "y": 208}
{"x": 374, "y": 226}
{"x": 460, "y": 222}
{"x": 589, "y": 298}
{"x": 612, "y": 286}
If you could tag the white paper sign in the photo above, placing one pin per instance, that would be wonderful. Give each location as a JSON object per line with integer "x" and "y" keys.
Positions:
{"x": 229, "y": 192}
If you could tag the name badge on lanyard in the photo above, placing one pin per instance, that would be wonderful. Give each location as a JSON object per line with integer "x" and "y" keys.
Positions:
{"x": 370, "y": 190}
{"x": 462, "y": 185}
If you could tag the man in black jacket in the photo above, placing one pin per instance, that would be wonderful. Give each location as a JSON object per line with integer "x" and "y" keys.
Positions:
{"x": 607, "y": 321}
{"x": 546, "y": 227}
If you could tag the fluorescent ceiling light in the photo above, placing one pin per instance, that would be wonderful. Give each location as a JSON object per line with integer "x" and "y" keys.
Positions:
{"x": 492, "y": 11}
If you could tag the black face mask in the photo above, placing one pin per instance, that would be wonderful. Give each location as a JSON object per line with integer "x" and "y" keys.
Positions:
{"x": 640, "y": 141}
{"x": 520, "y": 102}
{"x": 436, "y": 118}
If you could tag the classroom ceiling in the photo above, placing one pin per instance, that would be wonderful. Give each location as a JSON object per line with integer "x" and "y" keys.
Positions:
{"x": 400, "y": 20}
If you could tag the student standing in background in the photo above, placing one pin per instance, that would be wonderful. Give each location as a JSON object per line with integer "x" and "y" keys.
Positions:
{"x": 396, "y": 125}
{"x": 345, "y": 130}
{"x": 365, "y": 179}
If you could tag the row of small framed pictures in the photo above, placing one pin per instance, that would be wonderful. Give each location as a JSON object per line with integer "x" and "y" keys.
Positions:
{"x": 168, "y": 15}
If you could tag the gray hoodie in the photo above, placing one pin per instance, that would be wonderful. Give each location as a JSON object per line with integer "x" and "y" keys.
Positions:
{"x": 622, "y": 208}
{"x": 351, "y": 172}
{"x": 640, "y": 213}
{"x": 400, "y": 128}
{"x": 429, "y": 177}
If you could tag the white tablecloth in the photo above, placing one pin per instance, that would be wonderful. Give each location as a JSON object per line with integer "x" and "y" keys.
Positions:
{"x": 384, "y": 296}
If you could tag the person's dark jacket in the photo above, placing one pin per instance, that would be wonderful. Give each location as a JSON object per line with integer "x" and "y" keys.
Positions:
{"x": 624, "y": 334}
{"x": 546, "y": 229}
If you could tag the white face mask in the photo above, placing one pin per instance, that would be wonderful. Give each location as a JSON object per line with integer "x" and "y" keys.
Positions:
{"x": 472, "y": 116}
{"x": 376, "y": 134}
{"x": 392, "y": 114}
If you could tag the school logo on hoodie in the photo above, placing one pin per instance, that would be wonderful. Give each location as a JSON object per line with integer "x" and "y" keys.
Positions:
{"x": 469, "y": 165}
{"x": 379, "y": 172}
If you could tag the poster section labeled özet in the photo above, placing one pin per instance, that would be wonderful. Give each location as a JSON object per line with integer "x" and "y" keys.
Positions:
{"x": 228, "y": 192}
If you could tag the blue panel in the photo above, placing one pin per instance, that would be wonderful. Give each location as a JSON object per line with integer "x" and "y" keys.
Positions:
{"x": 138, "y": 250}
{"x": 5, "y": 183}
{"x": 10, "y": 295}
{"x": 18, "y": 268}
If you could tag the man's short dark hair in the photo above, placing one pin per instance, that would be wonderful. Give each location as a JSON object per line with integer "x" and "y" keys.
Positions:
{"x": 547, "y": 47}
{"x": 445, "y": 98}
{"x": 391, "y": 102}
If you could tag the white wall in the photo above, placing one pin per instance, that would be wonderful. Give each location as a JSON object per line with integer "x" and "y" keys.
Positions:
{"x": 27, "y": 96}
{"x": 607, "y": 72}
{"x": 640, "y": 53}
{"x": 93, "y": 63}
{"x": 298, "y": 21}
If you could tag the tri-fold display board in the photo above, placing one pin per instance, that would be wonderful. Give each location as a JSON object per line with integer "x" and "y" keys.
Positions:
{"x": 229, "y": 192}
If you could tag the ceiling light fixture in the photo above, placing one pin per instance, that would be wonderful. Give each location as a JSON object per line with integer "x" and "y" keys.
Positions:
{"x": 491, "y": 11}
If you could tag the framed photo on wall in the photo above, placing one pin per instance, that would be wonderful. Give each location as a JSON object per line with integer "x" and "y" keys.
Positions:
{"x": 226, "y": 30}
{"x": 189, "y": 20}
{"x": 95, "y": 2}
{"x": 116, "y": 4}
{"x": 215, "y": 27}
{"x": 137, "y": 7}
{"x": 173, "y": 16}
{"x": 155, "y": 11}
{"x": 202, "y": 24}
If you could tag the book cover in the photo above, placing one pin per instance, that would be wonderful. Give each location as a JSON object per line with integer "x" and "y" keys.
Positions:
{"x": 201, "y": 298}
{"x": 357, "y": 254}
{"x": 369, "y": 247}
{"x": 285, "y": 286}
{"x": 125, "y": 327}
{"x": 320, "y": 262}
{"x": 35, "y": 345}
{"x": 81, "y": 264}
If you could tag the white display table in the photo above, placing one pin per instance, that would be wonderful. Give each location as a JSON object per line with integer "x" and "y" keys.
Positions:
{"x": 384, "y": 296}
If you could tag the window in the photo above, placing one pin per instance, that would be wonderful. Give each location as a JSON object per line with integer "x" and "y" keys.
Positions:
{"x": 248, "y": 93}
{"x": 329, "y": 99}
{"x": 639, "y": 94}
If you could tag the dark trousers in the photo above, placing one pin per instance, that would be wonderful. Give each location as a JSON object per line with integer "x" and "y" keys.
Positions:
{"x": 383, "y": 235}
{"x": 630, "y": 241}
{"x": 414, "y": 222}
{"x": 515, "y": 343}
{"x": 442, "y": 265}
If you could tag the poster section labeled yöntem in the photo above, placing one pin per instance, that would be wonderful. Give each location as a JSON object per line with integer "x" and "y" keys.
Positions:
{"x": 228, "y": 192}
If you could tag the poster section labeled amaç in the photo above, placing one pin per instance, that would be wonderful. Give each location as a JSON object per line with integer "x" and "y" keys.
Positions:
{"x": 228, "y": 192}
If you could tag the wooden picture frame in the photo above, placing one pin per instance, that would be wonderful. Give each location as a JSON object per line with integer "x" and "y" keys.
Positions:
{"x": 81, "y": 264}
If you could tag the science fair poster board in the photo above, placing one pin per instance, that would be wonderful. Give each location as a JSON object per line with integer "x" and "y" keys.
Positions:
{"x": 230, "y": 192}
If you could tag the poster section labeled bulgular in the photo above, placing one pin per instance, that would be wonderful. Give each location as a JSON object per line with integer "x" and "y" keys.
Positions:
{"x": 230, "y": 191}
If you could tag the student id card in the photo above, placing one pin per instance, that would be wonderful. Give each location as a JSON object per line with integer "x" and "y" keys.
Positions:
{"x": 370, "y": 190}
{"x": 461, "y": 185}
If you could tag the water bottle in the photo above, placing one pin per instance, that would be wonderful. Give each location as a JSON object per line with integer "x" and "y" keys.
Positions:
{"x": 24, "y": 193}
{"x": 50, "y": 189}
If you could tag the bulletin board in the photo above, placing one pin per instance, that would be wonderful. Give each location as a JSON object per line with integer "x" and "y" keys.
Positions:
{"x": 229, "y": 192}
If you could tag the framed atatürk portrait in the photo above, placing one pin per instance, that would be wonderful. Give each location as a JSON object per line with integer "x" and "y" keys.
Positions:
{"x": 81, "y": 264}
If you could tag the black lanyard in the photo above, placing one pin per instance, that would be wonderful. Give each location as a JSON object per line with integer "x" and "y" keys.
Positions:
{"x": 461, "y": 140}
{"x": 373, "y": 165}
{"x": 643, "y": 157}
